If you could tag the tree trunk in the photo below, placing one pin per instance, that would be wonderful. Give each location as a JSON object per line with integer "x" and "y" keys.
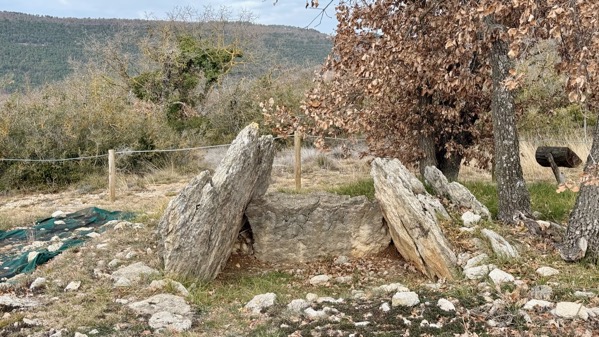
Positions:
{"x": 514, "y": 199}
{"x": 582, "y": 236}
{"x": 450, "y": 167}
{"x": 429, "y": 157}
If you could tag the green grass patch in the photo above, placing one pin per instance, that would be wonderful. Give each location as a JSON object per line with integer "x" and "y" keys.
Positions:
{"x": 486, "y": 193}
{"x": 553, "y": 206}
{"x": 363, "y": 187}
{"x": 239, "y": 289}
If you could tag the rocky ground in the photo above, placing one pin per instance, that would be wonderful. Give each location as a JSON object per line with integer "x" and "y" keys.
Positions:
{"x": 113, "y": 285}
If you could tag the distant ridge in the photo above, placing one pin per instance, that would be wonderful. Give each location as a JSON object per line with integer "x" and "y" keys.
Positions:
{"x": 36, "y": 49}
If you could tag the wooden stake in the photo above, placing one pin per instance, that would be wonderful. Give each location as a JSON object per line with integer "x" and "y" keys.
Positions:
{"x": 111, "y": 175}
{"x": 297, "y": 142}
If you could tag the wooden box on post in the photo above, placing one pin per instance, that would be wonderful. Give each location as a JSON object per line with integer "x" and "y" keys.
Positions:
{"x": 555, "y": 157}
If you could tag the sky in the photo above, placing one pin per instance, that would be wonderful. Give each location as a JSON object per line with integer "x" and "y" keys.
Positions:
{"x": 285, "y": 12}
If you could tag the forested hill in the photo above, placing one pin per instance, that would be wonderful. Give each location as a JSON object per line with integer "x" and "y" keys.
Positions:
{"x": 37, "y": 49}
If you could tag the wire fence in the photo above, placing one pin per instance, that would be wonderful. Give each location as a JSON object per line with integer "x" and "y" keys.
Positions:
{"x": 129, "y": 152}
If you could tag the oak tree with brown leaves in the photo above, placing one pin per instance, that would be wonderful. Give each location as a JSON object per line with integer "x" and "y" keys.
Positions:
{"x": 418, "y": 78}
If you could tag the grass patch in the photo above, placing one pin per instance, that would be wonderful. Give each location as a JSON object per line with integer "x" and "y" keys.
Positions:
{"x": 239, "y": 289}
{"x": 363, "y": 187}
{"x": 553, "y": 206}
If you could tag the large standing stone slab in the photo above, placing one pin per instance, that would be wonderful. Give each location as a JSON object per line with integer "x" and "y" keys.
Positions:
{"x": 299, "y": 228}
{"x": 200, "y": 225}
{"x": 411, "y": 214}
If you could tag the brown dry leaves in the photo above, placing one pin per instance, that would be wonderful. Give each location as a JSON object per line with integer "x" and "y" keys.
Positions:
{"x": 401, "y": 71}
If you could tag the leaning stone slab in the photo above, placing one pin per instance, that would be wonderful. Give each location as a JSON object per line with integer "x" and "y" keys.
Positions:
{"x": 199, "y": 227}
{"x": 456, "y": 192}
{"x": 500, "y": 246}
{"x": 290, "y": 228}
{"x": 411, "y": 215}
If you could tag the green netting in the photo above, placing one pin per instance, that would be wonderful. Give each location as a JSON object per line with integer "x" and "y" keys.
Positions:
{"x": 22, "y": 249}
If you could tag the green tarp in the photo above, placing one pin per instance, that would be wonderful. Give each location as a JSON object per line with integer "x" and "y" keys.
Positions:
{"x": 22, "y": 249}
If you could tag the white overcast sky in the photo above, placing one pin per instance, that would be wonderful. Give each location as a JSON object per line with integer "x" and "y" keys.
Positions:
{"x": 285, "y": 12}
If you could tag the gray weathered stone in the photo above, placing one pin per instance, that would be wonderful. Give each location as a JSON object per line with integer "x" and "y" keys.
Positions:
{"x": 456, "y": 192}
{"x": 547, "y": 271}
{"x": 445, "y": 305}
{"x": 405, "y": 299}
{"x": 161, "y": 302}
{"x": 498, "y": 276}
{"x": 39, "y": 282}
{"x": 470, "y": 219}
{"x": 200, "y": 225}
{"x": 500, "y": 246}
{"x": 292, "y": 228}
{"x": 12, "y": 301}
{"x": 319, "y": 279}
{"x": 476, "y": 261}
{"x": 478, "y": 272}
{"x": 260, "y": 302}
{"x": 73, "y": 286}
{"x": 297, "y": 305}
{"x": 571, "y": 310}
{"x": 168, "y": 320}
{"x": 133, "y": 273}
{"x": 411, "y": 215}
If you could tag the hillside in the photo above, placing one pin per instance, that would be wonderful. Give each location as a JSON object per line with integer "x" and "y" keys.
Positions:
{"x": 37, "y": 49}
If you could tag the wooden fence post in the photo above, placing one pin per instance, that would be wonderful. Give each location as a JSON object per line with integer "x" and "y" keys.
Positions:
{"x": 111, "y": 175}
{"x": 297, "y": 142}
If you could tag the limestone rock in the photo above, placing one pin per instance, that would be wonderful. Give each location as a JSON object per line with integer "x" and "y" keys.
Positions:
{"x": 456, "y": 192}
{"x": 319, "y": 279}
{"x": 200, "y": 225}
{"x": 290, "y": 228}
{"x": 297, "y": 305}
{"x": 12, "y": 301}
{"x": 405, "y": 299}
{"x": 161, "y": 302}
{"x": 168, "y": 320}
{"x": 260, "y": 302}
{"x": 547, "y": 271}
{"x": 500, "y": 246}
{"x": 445, "y": 305}
{"x": 570, "y": 310}
{"x": 470, "y": 219}
{"x": 385, "y": 307}
{"x": 132, "y": 273}
{"x": 411, "y": 215}
{"x": 73, "y": 286}
{"x": 476, "y": 261}
{"x": 498, "y": 276}
{"x": 39, "y": 282}
{"x": 478, "y": 272}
